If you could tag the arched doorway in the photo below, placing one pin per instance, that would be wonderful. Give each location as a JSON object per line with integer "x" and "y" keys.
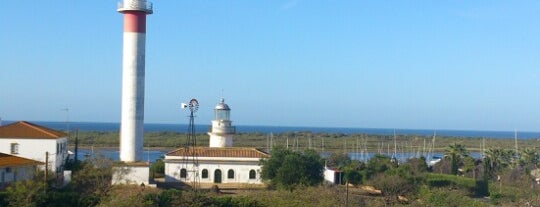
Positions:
{"x": 217, "y": 176}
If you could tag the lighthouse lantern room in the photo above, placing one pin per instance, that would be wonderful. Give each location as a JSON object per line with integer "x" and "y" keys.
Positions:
{"x": 221, "y": 132}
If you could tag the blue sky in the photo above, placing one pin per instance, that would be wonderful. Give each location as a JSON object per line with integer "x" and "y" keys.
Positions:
{"x": 377, "y": 64}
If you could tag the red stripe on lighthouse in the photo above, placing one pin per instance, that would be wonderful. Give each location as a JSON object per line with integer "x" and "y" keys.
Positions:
{"x": 135, "y": 21}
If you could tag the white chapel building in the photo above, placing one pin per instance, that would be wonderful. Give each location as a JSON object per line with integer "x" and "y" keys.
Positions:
{"x": 220, "y": 163}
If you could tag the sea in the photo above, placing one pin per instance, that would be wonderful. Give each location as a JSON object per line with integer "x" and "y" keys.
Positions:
{"x": 203, "y": 128}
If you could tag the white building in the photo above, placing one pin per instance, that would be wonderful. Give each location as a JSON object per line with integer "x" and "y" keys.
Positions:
{"x": 220, "y": 163}
{"x": 333, "y": 176}
{"x": 13, "y": 169}
{"x": 32, "y": 141}
{"x": 215, "y": 165}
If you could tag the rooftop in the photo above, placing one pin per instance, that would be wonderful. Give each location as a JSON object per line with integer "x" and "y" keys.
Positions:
{"x": 23, "y": 129}
{"x": 7, "y": 160}
{"x": 243, "y": 152}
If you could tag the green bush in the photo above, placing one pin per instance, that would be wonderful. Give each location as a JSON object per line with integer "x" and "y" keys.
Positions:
{"x": 444, "y": 198}
{"x": 236, "y": 201}
{"x": 477, "y": 187}
{"x": 3, "y": 199}
{"x": 481, "y": 188}
{"x": 439, "y": 180}
{"x": 158, "y": 169}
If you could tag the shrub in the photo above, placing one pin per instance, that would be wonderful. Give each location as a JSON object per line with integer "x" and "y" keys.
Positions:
{"x": 236, "y": 201}
{"x": 158, "y": 169}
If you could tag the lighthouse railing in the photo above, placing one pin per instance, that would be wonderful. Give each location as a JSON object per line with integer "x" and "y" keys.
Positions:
{"x": 136, "y": 5}
{"x": 220, "y": 130}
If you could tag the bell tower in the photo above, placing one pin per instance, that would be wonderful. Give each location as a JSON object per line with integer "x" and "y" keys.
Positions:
{"x": 221, "y": 132}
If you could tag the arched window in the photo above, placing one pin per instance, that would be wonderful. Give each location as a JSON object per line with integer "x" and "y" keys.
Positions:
{"x": 204, "y": 173}
{"x": 252, "y": 174}
{"x": 183, "y": 173}
{"x": 230, "y": 174}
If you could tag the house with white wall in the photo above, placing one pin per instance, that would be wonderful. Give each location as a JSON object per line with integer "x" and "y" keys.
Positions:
{"x": 31, "y": 141}
{"x": 14, "y": 168}
{"x": 220, "y": 163}
{"x": 214, "y": 165}
{"x": 333, "y": 176}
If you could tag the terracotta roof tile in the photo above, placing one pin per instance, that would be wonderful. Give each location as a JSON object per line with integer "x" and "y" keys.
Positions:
{"x": 23, "y": 129}
{"x": 220, "y": 152}
{"x": 7, "y": 160}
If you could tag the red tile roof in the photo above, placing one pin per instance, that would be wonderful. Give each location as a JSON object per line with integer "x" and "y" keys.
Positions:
{"x": 220, "y": 152}
{"x": 23, "y": 129}
{"x": 7, "y": 160}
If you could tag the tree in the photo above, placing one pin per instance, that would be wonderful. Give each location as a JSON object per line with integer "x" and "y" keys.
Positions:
{"x": 26, "y": 193}
{"x": 353, "y": 171}
{"x": 455, "y": 153}
{"x": 338, "y": 160}
{"x": 529, "y": 156}
{"x": 469, "y": 165}
{"x": 93, "y": 180}
{"x": 378, "y": 164}
{"x": 497, "y": 159}
{"x": 288, "y": 169}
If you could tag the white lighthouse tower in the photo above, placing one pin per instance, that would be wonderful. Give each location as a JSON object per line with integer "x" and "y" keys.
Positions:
{"x": 221, "y": 132}
{"x": 133, "y": 171}
{"x": 133, "y": 62}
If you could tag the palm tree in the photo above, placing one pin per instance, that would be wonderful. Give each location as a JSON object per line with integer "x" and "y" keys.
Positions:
{"x": 528, "y": 157}
{"x": 497, "y": 159}
{"x": 456, "y": 153}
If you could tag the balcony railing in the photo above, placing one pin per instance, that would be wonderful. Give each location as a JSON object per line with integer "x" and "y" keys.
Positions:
{"x": 136, "y": 6}
{"x": 228, "y": 130}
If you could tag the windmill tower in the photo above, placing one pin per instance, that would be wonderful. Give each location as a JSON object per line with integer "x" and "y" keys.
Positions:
{"x": 190, "y": 162}
{"x": 221, "y": 132}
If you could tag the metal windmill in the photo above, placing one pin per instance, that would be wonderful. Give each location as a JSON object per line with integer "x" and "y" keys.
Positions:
{"x": 190, "y": 158}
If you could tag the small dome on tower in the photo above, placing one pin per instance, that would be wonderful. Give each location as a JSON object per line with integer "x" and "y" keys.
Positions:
{"x": 222, "y": 106}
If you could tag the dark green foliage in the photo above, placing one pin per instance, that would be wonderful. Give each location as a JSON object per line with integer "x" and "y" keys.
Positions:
{"x": 236, "y": 202}
{"x": 444, "y": 198}
{"x": 353, "y": 176}
{"x": 353, "y": 172}
{"x": 438, "y": 182}
{"x": 496, "y": 160}
{"x": 94, "y": 177}
{"x": 475, "y": 187}
{"x": 393, "y": 185}
{"x": 157, "y": 169}
{"x": 26, "y": 193}
{"x": 482, "y": 188}
{"x": 3, "y": 198}
{"x": 455, "y": 153}
{"x": 338, "y": 160}
{"x": 288, "y": 169}
{"x": 450, "y": 180}
{"x": 378, "y": 164}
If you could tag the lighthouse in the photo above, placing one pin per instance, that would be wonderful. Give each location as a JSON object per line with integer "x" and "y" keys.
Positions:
{"x": 133, "y": 63}
{"x": 221, "y": 132}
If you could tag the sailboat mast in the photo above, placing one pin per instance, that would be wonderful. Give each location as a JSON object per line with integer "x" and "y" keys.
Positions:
{"x": 516, "y": 142}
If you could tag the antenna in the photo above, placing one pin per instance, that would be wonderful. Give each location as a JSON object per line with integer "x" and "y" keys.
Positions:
{"x": 67, "y": 119}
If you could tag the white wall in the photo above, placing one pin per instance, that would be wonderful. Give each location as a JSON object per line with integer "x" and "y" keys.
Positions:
{"x": 330, "y": 176}
{"x": 131, "y": 175}
{"x": 241, "y": 171}
{"x": 35, "y": 149}
{"x": 14, "y": 174}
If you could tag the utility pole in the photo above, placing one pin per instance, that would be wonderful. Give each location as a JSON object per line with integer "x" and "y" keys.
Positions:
{"x": 347, "y": 194}
{"x": 46, "y": 170}
{"x": 76, "y": 146}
